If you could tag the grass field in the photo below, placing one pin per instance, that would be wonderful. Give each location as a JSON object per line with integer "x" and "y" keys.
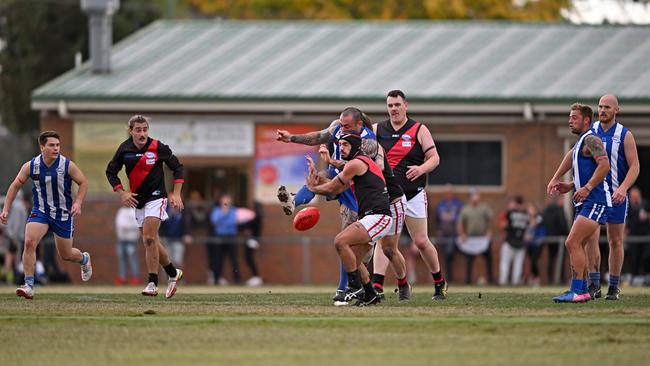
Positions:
{"x": 298, "y": 326}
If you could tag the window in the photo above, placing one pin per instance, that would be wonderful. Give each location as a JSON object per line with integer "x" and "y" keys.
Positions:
{"x": 469, "y": 163}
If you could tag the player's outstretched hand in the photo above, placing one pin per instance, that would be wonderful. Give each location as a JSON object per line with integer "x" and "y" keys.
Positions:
{"x": 324, "y": 153}
{"x": 283, "y": 136}
{"x": 176, "y": 201}
{"x": 128, "y": 199}
{"x": 3, "y": 217}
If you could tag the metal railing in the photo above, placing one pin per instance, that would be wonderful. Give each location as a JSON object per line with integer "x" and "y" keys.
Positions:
{"x": 307, "y": 242}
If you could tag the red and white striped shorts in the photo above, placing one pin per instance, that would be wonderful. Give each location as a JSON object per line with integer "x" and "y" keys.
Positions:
{"x": 376, "y": 225}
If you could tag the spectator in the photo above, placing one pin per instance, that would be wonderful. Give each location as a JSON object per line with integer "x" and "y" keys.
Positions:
{"x": 197, "y": 211}
{"x": 173, "y": 235}
{"x": 48, "y": 270}
{"x": 475, "y": 234}
{"x": 447, "y": 212}
{"x": 555, "y": 225}
{"x": 224, "y": 224}
{"x": 14, "y": 235}
{"x": 253, "y": 229}
{"x": 638, "y": 224}
{"x": 513, "y": 252}
{"x": 128, "y": 234}
{"x": 534, "y": 239}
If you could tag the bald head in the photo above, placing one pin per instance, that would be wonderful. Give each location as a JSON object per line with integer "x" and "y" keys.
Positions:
{"x": 607, "y": 109}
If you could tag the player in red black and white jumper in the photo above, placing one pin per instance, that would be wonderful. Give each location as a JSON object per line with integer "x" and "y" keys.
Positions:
{"x": 354, "y": 242}
{"x": 143, "y": 158}
{"x": 412, "y": 154}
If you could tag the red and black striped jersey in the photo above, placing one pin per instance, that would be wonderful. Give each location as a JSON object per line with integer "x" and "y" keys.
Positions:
{"x": 403, "y": 149}
{"x": 144, "y": 169}
{"x": 370, "y": 190}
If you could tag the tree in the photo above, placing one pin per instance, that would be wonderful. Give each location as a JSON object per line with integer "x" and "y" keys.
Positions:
{"x": 40, "y": 39}
{"x": 528, "y": 10}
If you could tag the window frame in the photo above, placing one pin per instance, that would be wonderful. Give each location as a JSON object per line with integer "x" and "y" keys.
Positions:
{"x": 473, "y": 137}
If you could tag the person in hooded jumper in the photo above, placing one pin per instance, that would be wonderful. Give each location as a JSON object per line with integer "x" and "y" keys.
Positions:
{"x": 355, "y": 241}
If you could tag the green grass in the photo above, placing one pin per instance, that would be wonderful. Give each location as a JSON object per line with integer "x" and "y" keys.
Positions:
{"x": 298, "y": 326}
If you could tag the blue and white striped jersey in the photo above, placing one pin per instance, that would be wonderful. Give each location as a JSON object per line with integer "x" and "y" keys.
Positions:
{"x": 613, "y": 140}
{"x": 583, "y": 168}
{"x": 51, "y": 187}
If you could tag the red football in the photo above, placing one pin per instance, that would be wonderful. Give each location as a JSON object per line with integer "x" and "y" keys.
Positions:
{"x": 306, "y": 218}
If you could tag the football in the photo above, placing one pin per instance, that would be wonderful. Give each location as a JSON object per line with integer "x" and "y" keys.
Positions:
{"x": 306, "y": 218}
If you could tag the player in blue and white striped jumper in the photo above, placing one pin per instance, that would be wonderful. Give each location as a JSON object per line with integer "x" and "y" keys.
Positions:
{"x": 54, "y": 209}
{"x": 624, "y": 170}
{"x": 590, "y": 165}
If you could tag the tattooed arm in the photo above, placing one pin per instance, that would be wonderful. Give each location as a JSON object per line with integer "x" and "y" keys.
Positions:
{"x": 593, "y": 146}
{"x": 310, "y": 138}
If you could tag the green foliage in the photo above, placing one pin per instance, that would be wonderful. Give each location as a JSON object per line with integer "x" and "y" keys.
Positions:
{"x": 531, "y": 10}
{"x": 41, "y": 39}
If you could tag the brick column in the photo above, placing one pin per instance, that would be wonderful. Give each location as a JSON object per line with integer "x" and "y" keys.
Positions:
{"x": 51, "y": 121}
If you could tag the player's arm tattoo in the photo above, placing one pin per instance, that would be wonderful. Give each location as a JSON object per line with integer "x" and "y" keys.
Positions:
{"x": 313, "y": 138}
{"x": 595, "y": 147}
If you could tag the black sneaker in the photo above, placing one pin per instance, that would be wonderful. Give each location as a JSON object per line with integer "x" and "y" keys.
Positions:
{"x": 595, "y": 291}
{"x": 440, "y": 291}
{"x": 380, "y": 293}
{"x": 368, "y": 300}
{"x": 339, "y": 298}
{"x": 354, "y": 294}
{"x": 613, "y": 293}
{"x": 404, "y": 293}
{"x": 287, "y": 199}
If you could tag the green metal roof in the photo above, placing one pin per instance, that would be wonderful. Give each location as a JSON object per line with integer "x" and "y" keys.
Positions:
{"x": 325, "y": 61}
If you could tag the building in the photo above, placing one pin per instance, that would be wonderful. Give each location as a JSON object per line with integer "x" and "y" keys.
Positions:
{"x": 495, "y": 96}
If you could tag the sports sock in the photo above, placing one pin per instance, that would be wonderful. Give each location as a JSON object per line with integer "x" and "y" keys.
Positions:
{"x": 84, "y": 259}
{"x": 585, "y": 286}
{"x": 29, "y": 281}
{"x": 153, "y": 277}
{"x": 402, "y": 281}
{"x": 437, "y": 277}
{"x": 343, "y": 278}
{"x": 594, "y": 277}
{"x": 378, "y": 281}
{"x": 576, "y": 286}
{"x": 614, "y": 281}
{"x": 304, "y": 196}
{"x": 170, "y": 270}
{"x": 353, "y": 279}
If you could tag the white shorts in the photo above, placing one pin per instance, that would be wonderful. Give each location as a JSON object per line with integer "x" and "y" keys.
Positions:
{"x": 157, "y": 208}
{"x": 416, "y": 207}
{"x": 397, "y": 213}
{"x": 376, "y": 225}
